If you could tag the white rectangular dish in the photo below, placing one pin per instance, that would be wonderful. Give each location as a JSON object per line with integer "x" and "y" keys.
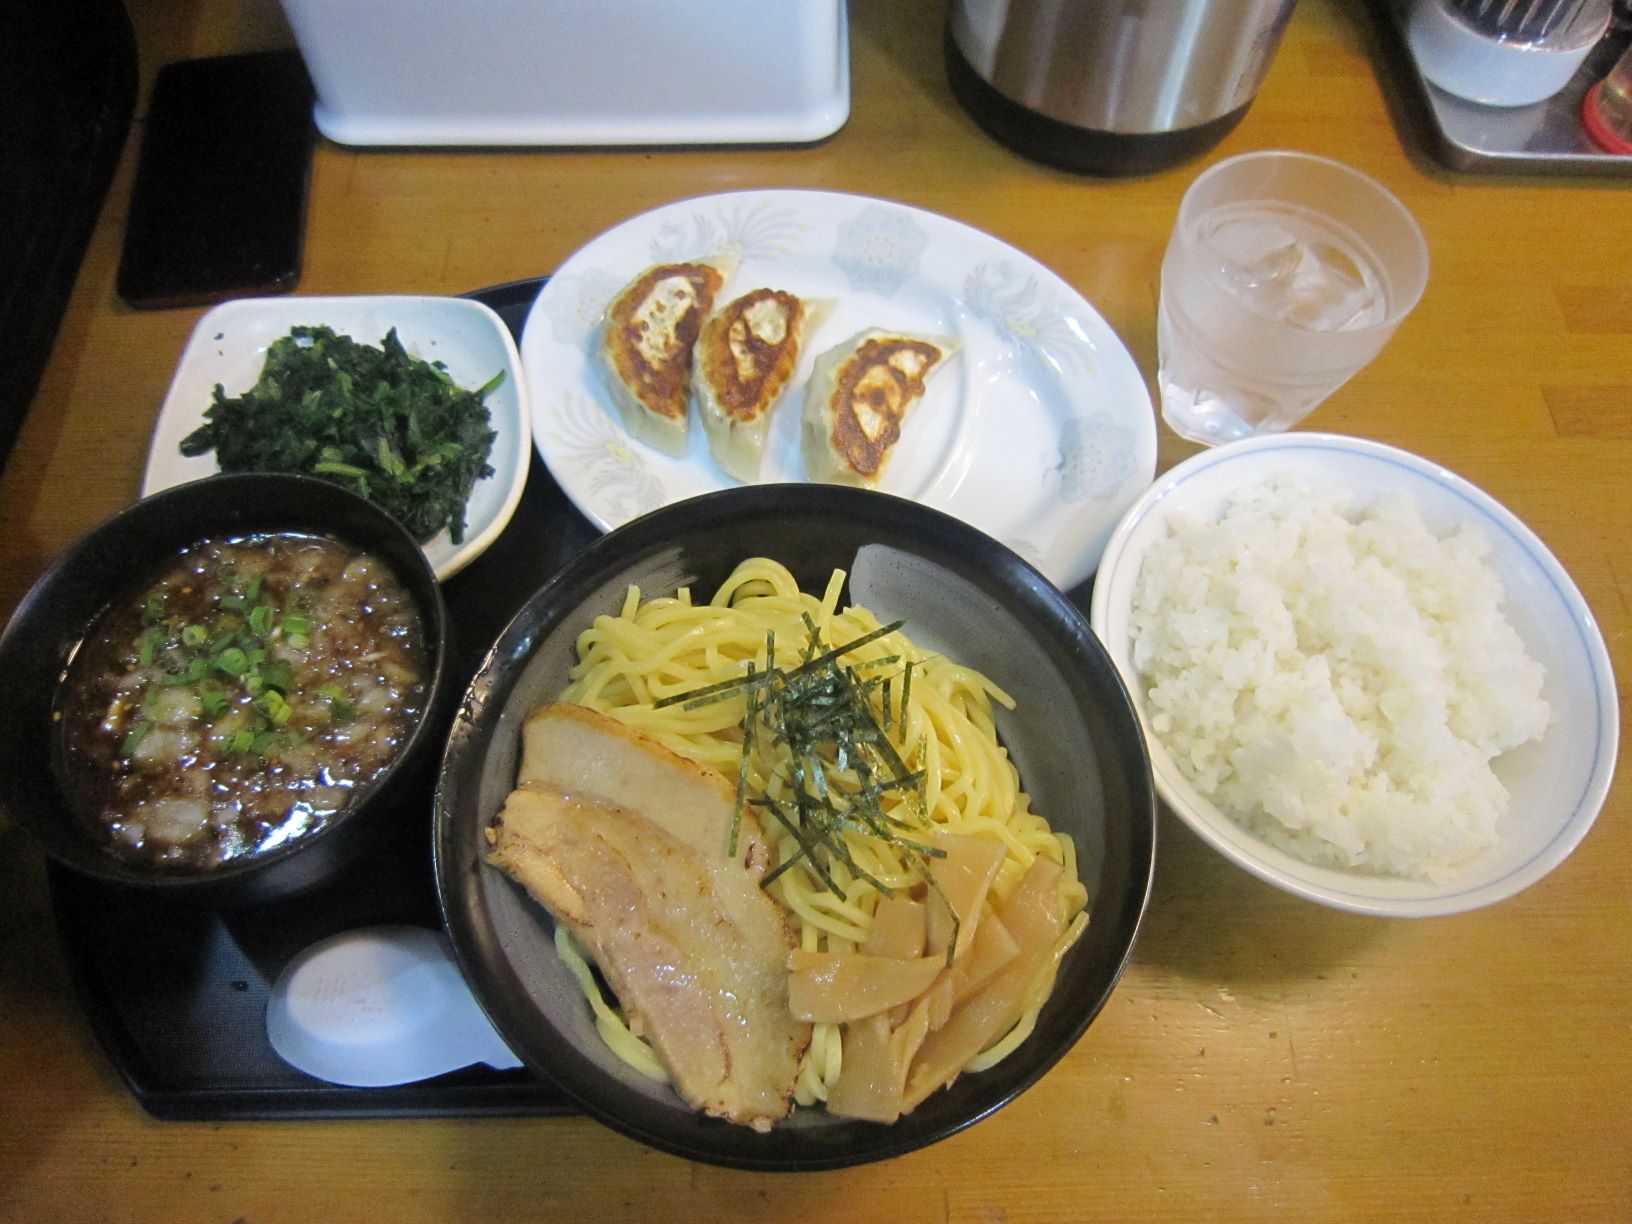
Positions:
{"x": 575, "y": 72}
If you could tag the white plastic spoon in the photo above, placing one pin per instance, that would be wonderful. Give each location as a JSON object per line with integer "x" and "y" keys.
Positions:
{"x": 380, "y": 1006}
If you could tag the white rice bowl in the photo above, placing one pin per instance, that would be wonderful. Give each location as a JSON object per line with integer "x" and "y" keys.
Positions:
{"x": 1423, "y": 722}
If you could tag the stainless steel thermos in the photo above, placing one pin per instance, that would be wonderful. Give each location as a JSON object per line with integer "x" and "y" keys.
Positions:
{"x": 1111, "y": 86}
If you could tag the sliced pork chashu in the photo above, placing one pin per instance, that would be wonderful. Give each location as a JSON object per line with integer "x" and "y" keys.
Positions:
{"x": 584, "y": 751}
{"x": 625, "y": 842}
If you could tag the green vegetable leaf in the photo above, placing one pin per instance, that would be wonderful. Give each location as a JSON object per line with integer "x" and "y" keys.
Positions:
{"x": 389, "y": 426}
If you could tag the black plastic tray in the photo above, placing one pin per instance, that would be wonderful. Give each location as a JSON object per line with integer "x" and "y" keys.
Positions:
{"x": 177, "y": 996}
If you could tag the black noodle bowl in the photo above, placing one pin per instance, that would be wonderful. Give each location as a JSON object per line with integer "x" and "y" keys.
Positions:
{"x": 1074, "y": 737}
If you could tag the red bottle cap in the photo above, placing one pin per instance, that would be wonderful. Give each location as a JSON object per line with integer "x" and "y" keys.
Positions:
{"x": 1592, "y": 118}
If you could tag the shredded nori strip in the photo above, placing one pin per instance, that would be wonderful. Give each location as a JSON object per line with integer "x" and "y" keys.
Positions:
{"x": 821, "y": 712}
{"x": 386, "y": 425}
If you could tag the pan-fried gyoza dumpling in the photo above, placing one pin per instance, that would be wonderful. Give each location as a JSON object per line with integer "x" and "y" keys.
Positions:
{"x": 646, "y": 347}
{"x": 859, "y": 394}
{"x": 745, "y": 358}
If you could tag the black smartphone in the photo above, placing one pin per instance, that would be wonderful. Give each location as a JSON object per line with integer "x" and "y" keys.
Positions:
{"x": 218, "y": 209}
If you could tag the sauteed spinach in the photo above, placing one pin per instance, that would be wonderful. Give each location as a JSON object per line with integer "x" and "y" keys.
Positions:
{"x": 389, "y": 426}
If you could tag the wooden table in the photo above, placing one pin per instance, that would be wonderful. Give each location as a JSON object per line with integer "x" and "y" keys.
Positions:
{"x": 1263, "y": 1057}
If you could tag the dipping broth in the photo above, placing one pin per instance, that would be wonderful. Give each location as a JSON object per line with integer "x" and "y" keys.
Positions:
{"x": 253, "y": 690}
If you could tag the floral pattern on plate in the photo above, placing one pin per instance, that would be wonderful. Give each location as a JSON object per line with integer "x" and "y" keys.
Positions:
{"x": 577, "y": 307}
{"x": 879, "y": 248}
{"x": 747, "y": 230}
{"x": 1015, "y": 303}
{"x": 1097, "y": 456}
{"x": 610, "y": 461}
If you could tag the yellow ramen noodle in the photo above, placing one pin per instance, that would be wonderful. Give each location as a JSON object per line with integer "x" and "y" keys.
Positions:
{"x": 668, "y": 646}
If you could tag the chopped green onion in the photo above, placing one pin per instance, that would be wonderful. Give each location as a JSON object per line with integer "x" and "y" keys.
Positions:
{"x": 135, "y": 736}
{"x": 272, "y": 704}
{"x": 296, "y": 629}
{"x": 233, "y": 661}
{"x": 340, "y": 708}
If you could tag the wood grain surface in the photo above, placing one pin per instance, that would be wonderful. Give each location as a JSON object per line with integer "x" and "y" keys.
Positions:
{"x": 1263, "y": 1057}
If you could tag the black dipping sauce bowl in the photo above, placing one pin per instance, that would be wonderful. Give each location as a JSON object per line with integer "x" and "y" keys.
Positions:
{"x": 118, "y": 559}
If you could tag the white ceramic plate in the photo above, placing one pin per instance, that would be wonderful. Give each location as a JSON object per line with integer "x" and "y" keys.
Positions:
{"x": 1039, "y": 432}
{"x": 1557, "y": 784}
{"x": 228, "y": 346}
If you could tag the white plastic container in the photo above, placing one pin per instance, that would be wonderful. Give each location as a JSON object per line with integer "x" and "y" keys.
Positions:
{"x": 575, "y": 72}
{"x": 1495, "y": 70}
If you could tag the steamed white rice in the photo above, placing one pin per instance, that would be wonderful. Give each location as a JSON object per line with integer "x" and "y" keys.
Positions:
{"x": 1336, "y": 681}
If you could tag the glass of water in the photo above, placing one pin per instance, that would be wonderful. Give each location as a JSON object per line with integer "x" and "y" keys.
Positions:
{"x": 1285, "y": 275}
